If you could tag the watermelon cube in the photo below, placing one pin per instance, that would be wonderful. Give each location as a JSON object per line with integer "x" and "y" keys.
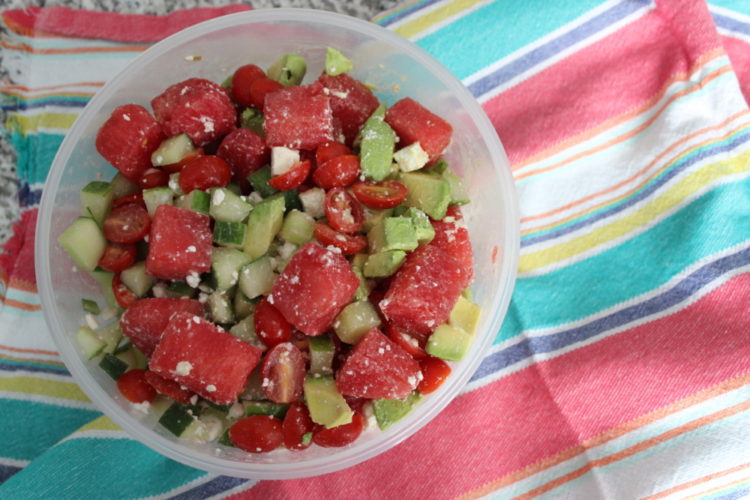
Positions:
{"x": 313, "y": 288}
{"x": 452, "y": 236}
{"x": 378, "y": 368}
{"x": 298, "y": 117}
{"x": 144, "y": 321}
{"x": 412, "y": 122}
{"x": 179, "y": 243}
{"x": 204, "y": 358}
{"x": 245, "y": 152}
{"x": 423, "y": 291}
{"x": 351, "y": 102}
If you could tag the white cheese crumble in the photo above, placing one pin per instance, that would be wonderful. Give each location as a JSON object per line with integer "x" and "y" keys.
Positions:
{"x": 126, "y": 117}
{"x": 193, "y": 279}
{"x": 211, "y": 388}
{"x": 283, "y": 159}
{"x": 286, "y": 250}
{"x": 217, "y": 197}
{"x": 411, "y": 158}
{"x": 191, "y": 249}
{"x": 142, "y": 407}
{"x": 340, "y": 95}
{"x": 91, "y": 321}
{"x": 160, "y": 289}
{"x": 183, "y": 368}
{"x": 313, "y": 202}
{"x": 194, "y": 399}
{"x": 254, "y": 197}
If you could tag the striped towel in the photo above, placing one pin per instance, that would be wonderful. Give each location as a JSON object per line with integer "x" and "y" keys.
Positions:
{"x": 623, "y": 367}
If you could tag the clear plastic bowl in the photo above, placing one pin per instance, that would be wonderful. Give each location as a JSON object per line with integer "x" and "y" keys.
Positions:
{"x": 399, "y": 69}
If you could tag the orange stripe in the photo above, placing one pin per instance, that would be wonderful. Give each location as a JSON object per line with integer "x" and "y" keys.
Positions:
{"x": 77, "y": 50}
{"x": 40, "y": 96}
{"x": 27, "y": 360}
{"x": 711, "y": 76}
{"x": 19, "y": 305}
{"x": 698, "y": 481}
{"x": 23, "y": 285}
{"x": 614, "y": 433}
{"x": 638, "y": 186}
{"x": 637, "y": 448}
{"x": 32, "y": 351}
{"x": 51, "y": 87}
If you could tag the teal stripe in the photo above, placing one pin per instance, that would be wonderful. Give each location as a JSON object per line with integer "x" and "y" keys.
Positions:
{"x": 741, "y": 6}
{"x": 35, "y": 154}
{"x": 640, "y": 264}
{"x": 98, "y": 468}
{"x": 491, "y": 32}
{"x": 30, "y": 428}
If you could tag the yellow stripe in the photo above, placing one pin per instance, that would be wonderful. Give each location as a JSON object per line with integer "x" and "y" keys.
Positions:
{"x": 102, "y": 423}
{"x": 42, "y": 387}
{"x": 430, "y": 19}
{"x": 720, "y": 489}
{"x": 27, "y": 124}
{"x": 689, "y": 185}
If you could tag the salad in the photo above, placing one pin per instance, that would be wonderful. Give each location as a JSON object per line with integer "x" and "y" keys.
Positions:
{"x": 283, "y": 264}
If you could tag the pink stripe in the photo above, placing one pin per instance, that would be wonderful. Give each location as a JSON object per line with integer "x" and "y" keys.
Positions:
{"x": 739, "y": 54}
{"x": 112, "y": 25}
{"x": 549, "y": 407}
{"x": 601, "y": 81}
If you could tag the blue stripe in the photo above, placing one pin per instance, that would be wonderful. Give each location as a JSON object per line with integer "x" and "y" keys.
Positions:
{"x": 731, "y": 24}
{"x": 675, "y": 295}
{"x": 407, "y": 11}
{"x": 213, "y": 487}
{"x": 6, "y": 471}
{"x": 555, "y": 46}
{"x": 734, "y": 495}
{"x": 628, "y": 202}
{"x": 27, "y": 196}
{"x": 7, "y": 366}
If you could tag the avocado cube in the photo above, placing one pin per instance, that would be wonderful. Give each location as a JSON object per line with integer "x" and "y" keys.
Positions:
{"x": 465, "y": 315}
{"x": 355, "y": 320}
{"x": 336, "y": 62}
{"x": 459, "y": 196}
{"x": 382, "y": 264}
{"x": 428, "y": 193}
{"x": 326, "y": 404}
{"x": 423, "y": 229}
{"x": 394, "y": 233}
{"x": 389, "y": 411}
{"x": 449, "y": 343}
{"x": 378, "y": 141}
{"x": 321, "y": 354}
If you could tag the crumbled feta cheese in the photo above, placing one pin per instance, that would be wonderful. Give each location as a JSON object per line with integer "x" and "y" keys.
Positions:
{"x": 142, "y": 407}
{"x": 91, "y": 321}
{"x": 340, "y": 95}
{"x": 217, "y": 197}
{"x": 183, "y": 368}
{"x": 193, "y": 279}
{"x": 286, "y": 250}
{"x": 255, "y": 197}
{"x": 411, "y": 158}
{"x": 381, "y": 350}
{"x": 211, "y": 388}
{"x": 126, "y": 117}
{"x": 108, "y": 313}
{"x": 191, "y": 249}
{"x": 194, "y": 399}
{"x": 202, "y": 298}
{"x": 313, "y": 202}
{"x": 236, "y": 411}
{"x": 283, "y": 159}
{"x": 160, "y": 289}
{"x": 196, "y": 319}
{"x": 208, "y": 124}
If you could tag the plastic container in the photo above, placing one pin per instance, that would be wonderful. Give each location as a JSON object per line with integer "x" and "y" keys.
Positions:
{"x": 380, "y": 57}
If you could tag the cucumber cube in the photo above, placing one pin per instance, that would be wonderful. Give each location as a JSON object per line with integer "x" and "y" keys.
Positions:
{"x": 90, "y": 306}
{"x": 321, "y": 354}
{"x": 220, "y": 308}
{"x": 227, "y": 206}
{"x": 355, "y": 320}
{"x": 122, "y": 186}
{"x": 196, "y": 200}
{"x": 111, "y": 335}
{"x": 178, "y": 289}
{"x": 96, "y": 200}
{"x": 259, "y": 180}
{"x": 257, "y": 278}
{"x": 226, "y": 264}
{"x": 176, "y": 419}
{"x": 265, "y": 408}
{"x": 104, "y": 278}
{"x": 230, "y": 234}
{"x": 243, "y": 307}
{"x": 378, "y": 141}
{"x": 263, "y": 225}
{"x": 84, "y": 242}
{"x": 113, "y": 366}
{"x": 157, "y": 196}
{"x": 289, "y": 70}
{"x": 252, "y": 119}
{"x": 336, "y": 62}
{"x": 90, "y": 344}
{"x": 172, "y": 150}
{"x": 245, "y": 331}
{"x": 298, "y": 227}
{"x": 137, "y": 280}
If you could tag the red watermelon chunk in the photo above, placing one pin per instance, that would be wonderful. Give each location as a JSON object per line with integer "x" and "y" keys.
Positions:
{"x": 423, "y": 291}
{"x": 378, "y": 368}
{"x": 196, "y": 107}
{"x": 351, "y": 102}
{"x": 298, "y": 117}
{"x": 245, "y": 152}
{"x": 204, "y": 358}
{"x": 144, "y": 321}
{"x": 313, "y": 288}
{"x": 128, "y": 138}
{"x": 179, "y": 243}
{"x": 452, "y": 236}
{"x": 414, "y": 123}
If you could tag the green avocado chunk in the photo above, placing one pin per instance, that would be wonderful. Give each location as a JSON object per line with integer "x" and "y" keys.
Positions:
{"x": 428, "y": 193}
{"x": 390, "y": 411}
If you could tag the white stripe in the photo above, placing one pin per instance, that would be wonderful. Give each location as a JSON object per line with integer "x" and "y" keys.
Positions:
{"x": 733, "y": 34}
{"x": 49, "y": 400}
{"x": 546, "y": 332}
{"x": 37, "y": 375}
{"x": 423, "y": 11}
{"x": 29, "y": 356}
{"x": 708, "y": 486}
{"x": 739, "y": 16}
{"x": 438, "y": 26}
{"x": 13, "y": 462}
{"x": 96, "y": 434}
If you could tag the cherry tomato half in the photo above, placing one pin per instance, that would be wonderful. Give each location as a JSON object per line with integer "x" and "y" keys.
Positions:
{"x": 292, "y": 178}
{"x": 349, "y": 244}
{"x": 136, "y": 198}
{"x": 283, "y": 372}
{"x": 330, "y": 150}
{"x": 127, "y": 223}
{"x": 386, "y": 194}
{"x": 260, "y": 88}
{"x": 123, "y": 295}
{"x": 177, "y": 167}
{"x": 297, "y": 423}
{"x": 337, "y": 172}
{"x": 153, "y": 177}
{"x": 434, "y": 371}
{"x": 118, "y": 257}
{"x": 407, "y": 342}
{"x": 257, "y": 434}
{"x": 270, "y": 325}
{"x": 341, "y": 435}
{"x": 134, "y": 387}
{"x": 243, "y": 77}
{"x": 343, "y": 212}
{"x": 205, "y": 172}
{"x": 169, "y": 388}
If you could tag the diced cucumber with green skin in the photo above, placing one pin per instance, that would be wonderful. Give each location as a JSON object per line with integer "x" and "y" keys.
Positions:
{"x": 180, "y": 289}
{"x": 220, "y": 308}
{"x": 263, "y": 225}
{"x": 196, "y": 200}
{"x": 230, "y": 234}
{"x": 243, "y": 307}
{"x": 227, "y": 83}
{"x": 157, "y": 196}
{"x": 364, "y": 288}
{"x": 110, "y": 335}
{"x": 104, "y": 278}
{"x": 132, "y": 359}
{"x": 389, "y": 411}
{"x": 245, "y": 331}
{"x": 324, "y": 401}
{"x": 227, "y": 206}
{"x": 137, "y": 279}
{"x": 174, "y": 183}
{"x": 122, "y": 186}
{"x": 377, "y": 143}
{"x": 423, "y": 229}
{"x": 307, "y": 438}
{"x": 264, "y": 408}
{"x": 383, "y": 264}
{"x": 159, "y": 407}
{"x": 449, "y": 343}
{"x": 465, "y": 315}
{"x": 259, "y": 181}
{"x": 225, "y": 441}
{"x": 292, "y": 200}
{"x": 392, "y": 233}
{"x": 257, "y": 278}
{"x": 84, "y": 241}
{"x": 321, "y": 354}
{"x": 96, "y": 199}
{"x": 172, "y": 150}
{"x": 123, "y": 346}
{"x": 90, "y": 306}
{"x": 226, "y": 264}
{"x": 298, "y": 227}
{"x": 252, "y": 119}
{"x": 234, "y": 188}
{"x": 90, "y": 344}
{"x": 438, "y": 167}
{"x": 113, "y": 366}
{"x": 459, "y": 195}
{"x": 428, "y": 193}
{"x": 177, "y": 418}
{"x": 374, "y": 217}
{"x": 289, "y": 70}
{"x": 141, "y": 250}
{"x": 336, "y": 62}
{"x": 355, "y": 320}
